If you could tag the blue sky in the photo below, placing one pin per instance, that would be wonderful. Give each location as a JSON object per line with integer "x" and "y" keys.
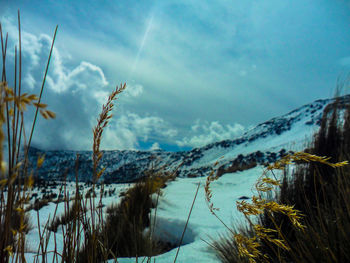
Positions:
{"x": 196, "y": 71}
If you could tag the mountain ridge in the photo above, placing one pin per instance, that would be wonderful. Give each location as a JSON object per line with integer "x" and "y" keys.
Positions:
{"x": 266, "y": 142}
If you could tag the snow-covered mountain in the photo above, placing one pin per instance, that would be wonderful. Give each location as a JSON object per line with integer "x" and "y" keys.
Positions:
{"x": 266, "y": 142}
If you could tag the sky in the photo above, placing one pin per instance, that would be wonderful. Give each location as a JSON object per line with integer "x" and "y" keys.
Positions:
{"x": 196, "y": 71}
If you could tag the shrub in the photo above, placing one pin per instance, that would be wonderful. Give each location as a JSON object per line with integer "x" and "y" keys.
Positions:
{"x": 123, "y": 232}
{"x": 317, "y": 192}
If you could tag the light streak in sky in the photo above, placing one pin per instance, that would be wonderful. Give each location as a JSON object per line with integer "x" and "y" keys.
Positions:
{"x": 142, "y": 44}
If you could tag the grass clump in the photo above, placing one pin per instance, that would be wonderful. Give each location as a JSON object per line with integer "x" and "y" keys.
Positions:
{"x": 15, "y": 179}
{"x": 67, "y": 217}
{"x": 305, "y": 215}
{"x": 126, "y": 222}
{"x": 127, "y": 230}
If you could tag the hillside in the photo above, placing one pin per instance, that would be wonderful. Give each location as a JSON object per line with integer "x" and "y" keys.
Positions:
{"x": 266, "y": 142}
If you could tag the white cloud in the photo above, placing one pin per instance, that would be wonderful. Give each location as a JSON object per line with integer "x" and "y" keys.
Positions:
{"x": 130, "y": 128}
{"x": 82, "y": 77}
{"x": 76, "y": 93}
{"x": 205, "y": 133}
{"x": 119, "y": 139}
{"x": 134, "y": 90}
{"x": 155, "y": 146}
{"x": 35, "y": 51}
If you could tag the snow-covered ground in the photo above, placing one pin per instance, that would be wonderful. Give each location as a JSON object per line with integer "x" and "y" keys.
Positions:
{"x": 175, "y": 205}
{"x": 172, "y": 212}
{"x": 46, "y": 214}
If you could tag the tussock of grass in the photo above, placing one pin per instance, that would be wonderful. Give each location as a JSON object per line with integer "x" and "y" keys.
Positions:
{"x": 318, "y": 189}
{"x": 67, "y": 217}
{"x": 123, "y": 232}
{"x": 38, "y": 204}
{"x": 226, "y": 247}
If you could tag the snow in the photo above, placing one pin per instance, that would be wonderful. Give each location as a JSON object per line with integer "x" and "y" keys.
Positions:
{"x": 294, "y": 139}
{"x": 172, "y": 213}
{"x": 175, "y": 204}
{"x": 46, "y": 214}
{"x": 176, "y": 199}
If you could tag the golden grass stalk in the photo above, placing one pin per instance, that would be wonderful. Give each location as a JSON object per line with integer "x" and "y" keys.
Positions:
{"x": 102, "y": 121}
{"x": 249, "y": 246}
{"x": 303, "y": 156}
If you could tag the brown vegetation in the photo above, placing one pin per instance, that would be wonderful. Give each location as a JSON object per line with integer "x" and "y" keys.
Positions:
{"x": 319, "y": 191}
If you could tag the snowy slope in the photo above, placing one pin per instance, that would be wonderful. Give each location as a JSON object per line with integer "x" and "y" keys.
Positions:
{"x": 264, "y": 143}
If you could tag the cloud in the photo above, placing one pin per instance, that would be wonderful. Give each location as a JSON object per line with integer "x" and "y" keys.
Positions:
{"x": 129, "y": 129}
{"x": 76, "y": 93}
{"x": 134, "y": 90}
{"x": 155, "y": 146}
{"x": 203, "y": 133}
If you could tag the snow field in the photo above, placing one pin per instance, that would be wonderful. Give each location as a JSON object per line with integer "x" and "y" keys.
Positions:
{"x": 171, "y": 215}
{"x": 175, "y": 204}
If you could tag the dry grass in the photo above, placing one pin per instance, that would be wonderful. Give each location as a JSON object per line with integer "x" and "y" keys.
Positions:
{"x": 14, "y": 177}
{"x": 123, "y": 232}
{"x": 67, "y": 217}
{"x": 102, "y": 123}
{"x": 226, "y": 248}
{"x": 308, "y": 218}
